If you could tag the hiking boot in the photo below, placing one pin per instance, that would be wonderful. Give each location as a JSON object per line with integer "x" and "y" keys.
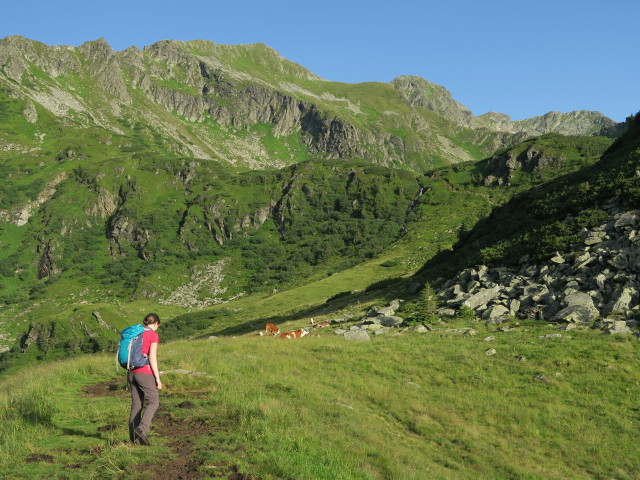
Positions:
{"x": 140, "y": 436}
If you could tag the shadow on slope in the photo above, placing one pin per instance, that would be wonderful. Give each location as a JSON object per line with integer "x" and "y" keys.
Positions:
{"x": 547, "y": 218}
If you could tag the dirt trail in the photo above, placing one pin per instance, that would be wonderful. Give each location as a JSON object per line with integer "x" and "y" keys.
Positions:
{"x": 181, "y": 434}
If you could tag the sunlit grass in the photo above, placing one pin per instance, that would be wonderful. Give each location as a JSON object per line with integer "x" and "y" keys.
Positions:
{"x": 414, "y": 406}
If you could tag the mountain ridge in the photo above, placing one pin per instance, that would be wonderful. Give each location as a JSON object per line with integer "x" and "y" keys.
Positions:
{"x": 223, "y": 89}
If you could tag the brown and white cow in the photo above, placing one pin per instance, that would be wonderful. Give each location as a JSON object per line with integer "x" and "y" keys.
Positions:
{"x": 295, "y": 334}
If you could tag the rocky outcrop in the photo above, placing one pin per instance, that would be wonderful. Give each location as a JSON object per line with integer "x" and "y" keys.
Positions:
{"x": 202, "y": 99}
{"x": 420, "y": 92}
{"x": 29, "y": 112}
{"x": 20, "y": 215}
{"x": 504, "y": 166}
{"x": 17, "y": 54}
{"x": 102, "y": 323}
{"x": 105, "y": 205}
{"x": 48, "y": 259}
{"x": 581, "y": 122}
{"x": 377, "y": 321}
{"x": 203, "y": 289}
{"x": 600, "y": 276}
{"x": 104, "y": 66}
{"x": 124, "y": 233}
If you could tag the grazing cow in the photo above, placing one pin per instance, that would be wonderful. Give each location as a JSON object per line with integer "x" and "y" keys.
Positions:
{"x": 295, "y": 334}
{"x": 271, "y": 329}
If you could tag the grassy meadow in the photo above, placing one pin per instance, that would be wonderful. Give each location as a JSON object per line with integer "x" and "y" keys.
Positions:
{"x": 410, "y": 406}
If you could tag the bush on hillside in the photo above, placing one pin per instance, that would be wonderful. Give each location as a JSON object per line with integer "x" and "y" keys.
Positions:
{"x": 424, "y": 308}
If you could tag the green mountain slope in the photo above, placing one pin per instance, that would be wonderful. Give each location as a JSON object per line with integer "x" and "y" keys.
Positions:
{"x": 243, "y": 105}
{"x": 175, "y": 234}
{"x": 225, "y": 187}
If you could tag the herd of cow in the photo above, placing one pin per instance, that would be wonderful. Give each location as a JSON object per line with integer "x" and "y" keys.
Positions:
{"x": 273, "y": 330}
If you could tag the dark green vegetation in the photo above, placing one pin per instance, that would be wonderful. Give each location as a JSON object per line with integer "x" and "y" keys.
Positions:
{"x": 168, "y": 230}
{"x": 548, "y": 218}
{"x": 272, "y": 225}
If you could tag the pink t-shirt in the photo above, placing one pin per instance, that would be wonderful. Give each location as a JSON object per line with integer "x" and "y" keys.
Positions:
{"x": 148, "y": 337}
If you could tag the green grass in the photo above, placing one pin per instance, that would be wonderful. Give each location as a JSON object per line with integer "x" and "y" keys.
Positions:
{"x": 430, "y": 406}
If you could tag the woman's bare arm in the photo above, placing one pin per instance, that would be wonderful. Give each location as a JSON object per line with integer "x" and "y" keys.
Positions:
{"x": 153, "y": 361}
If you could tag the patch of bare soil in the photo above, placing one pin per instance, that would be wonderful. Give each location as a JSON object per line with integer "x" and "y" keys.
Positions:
{"x": 38, "y": 457}
{"x": 109, "y": 388}
{"x": 182, "y": 434}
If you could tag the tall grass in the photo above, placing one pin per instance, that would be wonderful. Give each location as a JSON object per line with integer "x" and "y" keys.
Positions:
{"x": 26, "y": 413}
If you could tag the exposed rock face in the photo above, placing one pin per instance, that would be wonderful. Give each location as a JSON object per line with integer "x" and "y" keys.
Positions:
{"x": 104, "y": 66}
{"x": 215, "y": 220}
{"x": 420, "y": 92}
{"x": 47, "y": 263}
{"x": 102, "y": 323}
{"x": 581, "y": 122}
{"x": 504, "y": 166}
{"x": 572, "y": 123}
{"x": 20, "y": 216}
{"x": 106, "y": 204}
{"x": 203, "y": 290}
{"x": 124, "y": 233}
{"x": 30, "y": 113}
{"x": 599, "y": 276}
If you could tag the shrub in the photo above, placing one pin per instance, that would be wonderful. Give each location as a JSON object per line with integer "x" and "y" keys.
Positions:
{"x": 423, "y": 310}
{"x": 466, "y": 313}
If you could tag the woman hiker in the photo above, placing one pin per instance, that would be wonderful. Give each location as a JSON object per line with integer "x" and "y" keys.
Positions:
{"x": 145, "y": 383}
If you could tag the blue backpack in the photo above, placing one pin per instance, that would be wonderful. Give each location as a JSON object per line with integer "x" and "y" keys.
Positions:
{"x": 130, "y": 354}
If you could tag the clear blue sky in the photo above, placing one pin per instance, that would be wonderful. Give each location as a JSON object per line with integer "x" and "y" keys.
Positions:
{"x": 519, "y": 58}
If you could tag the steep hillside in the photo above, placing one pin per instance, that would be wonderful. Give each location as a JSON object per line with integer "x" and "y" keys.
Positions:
{"x": 544, "y": 220}
{"x": 183, "y": 235}
{"x": 244, "y": 105}
{"x": 119, "y": 221}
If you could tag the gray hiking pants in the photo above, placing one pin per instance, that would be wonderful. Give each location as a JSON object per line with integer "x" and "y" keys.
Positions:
{"x": 143, "y": 395}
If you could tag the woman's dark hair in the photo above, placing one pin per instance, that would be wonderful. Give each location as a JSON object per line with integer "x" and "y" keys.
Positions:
{"x": 151, "y": 318}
